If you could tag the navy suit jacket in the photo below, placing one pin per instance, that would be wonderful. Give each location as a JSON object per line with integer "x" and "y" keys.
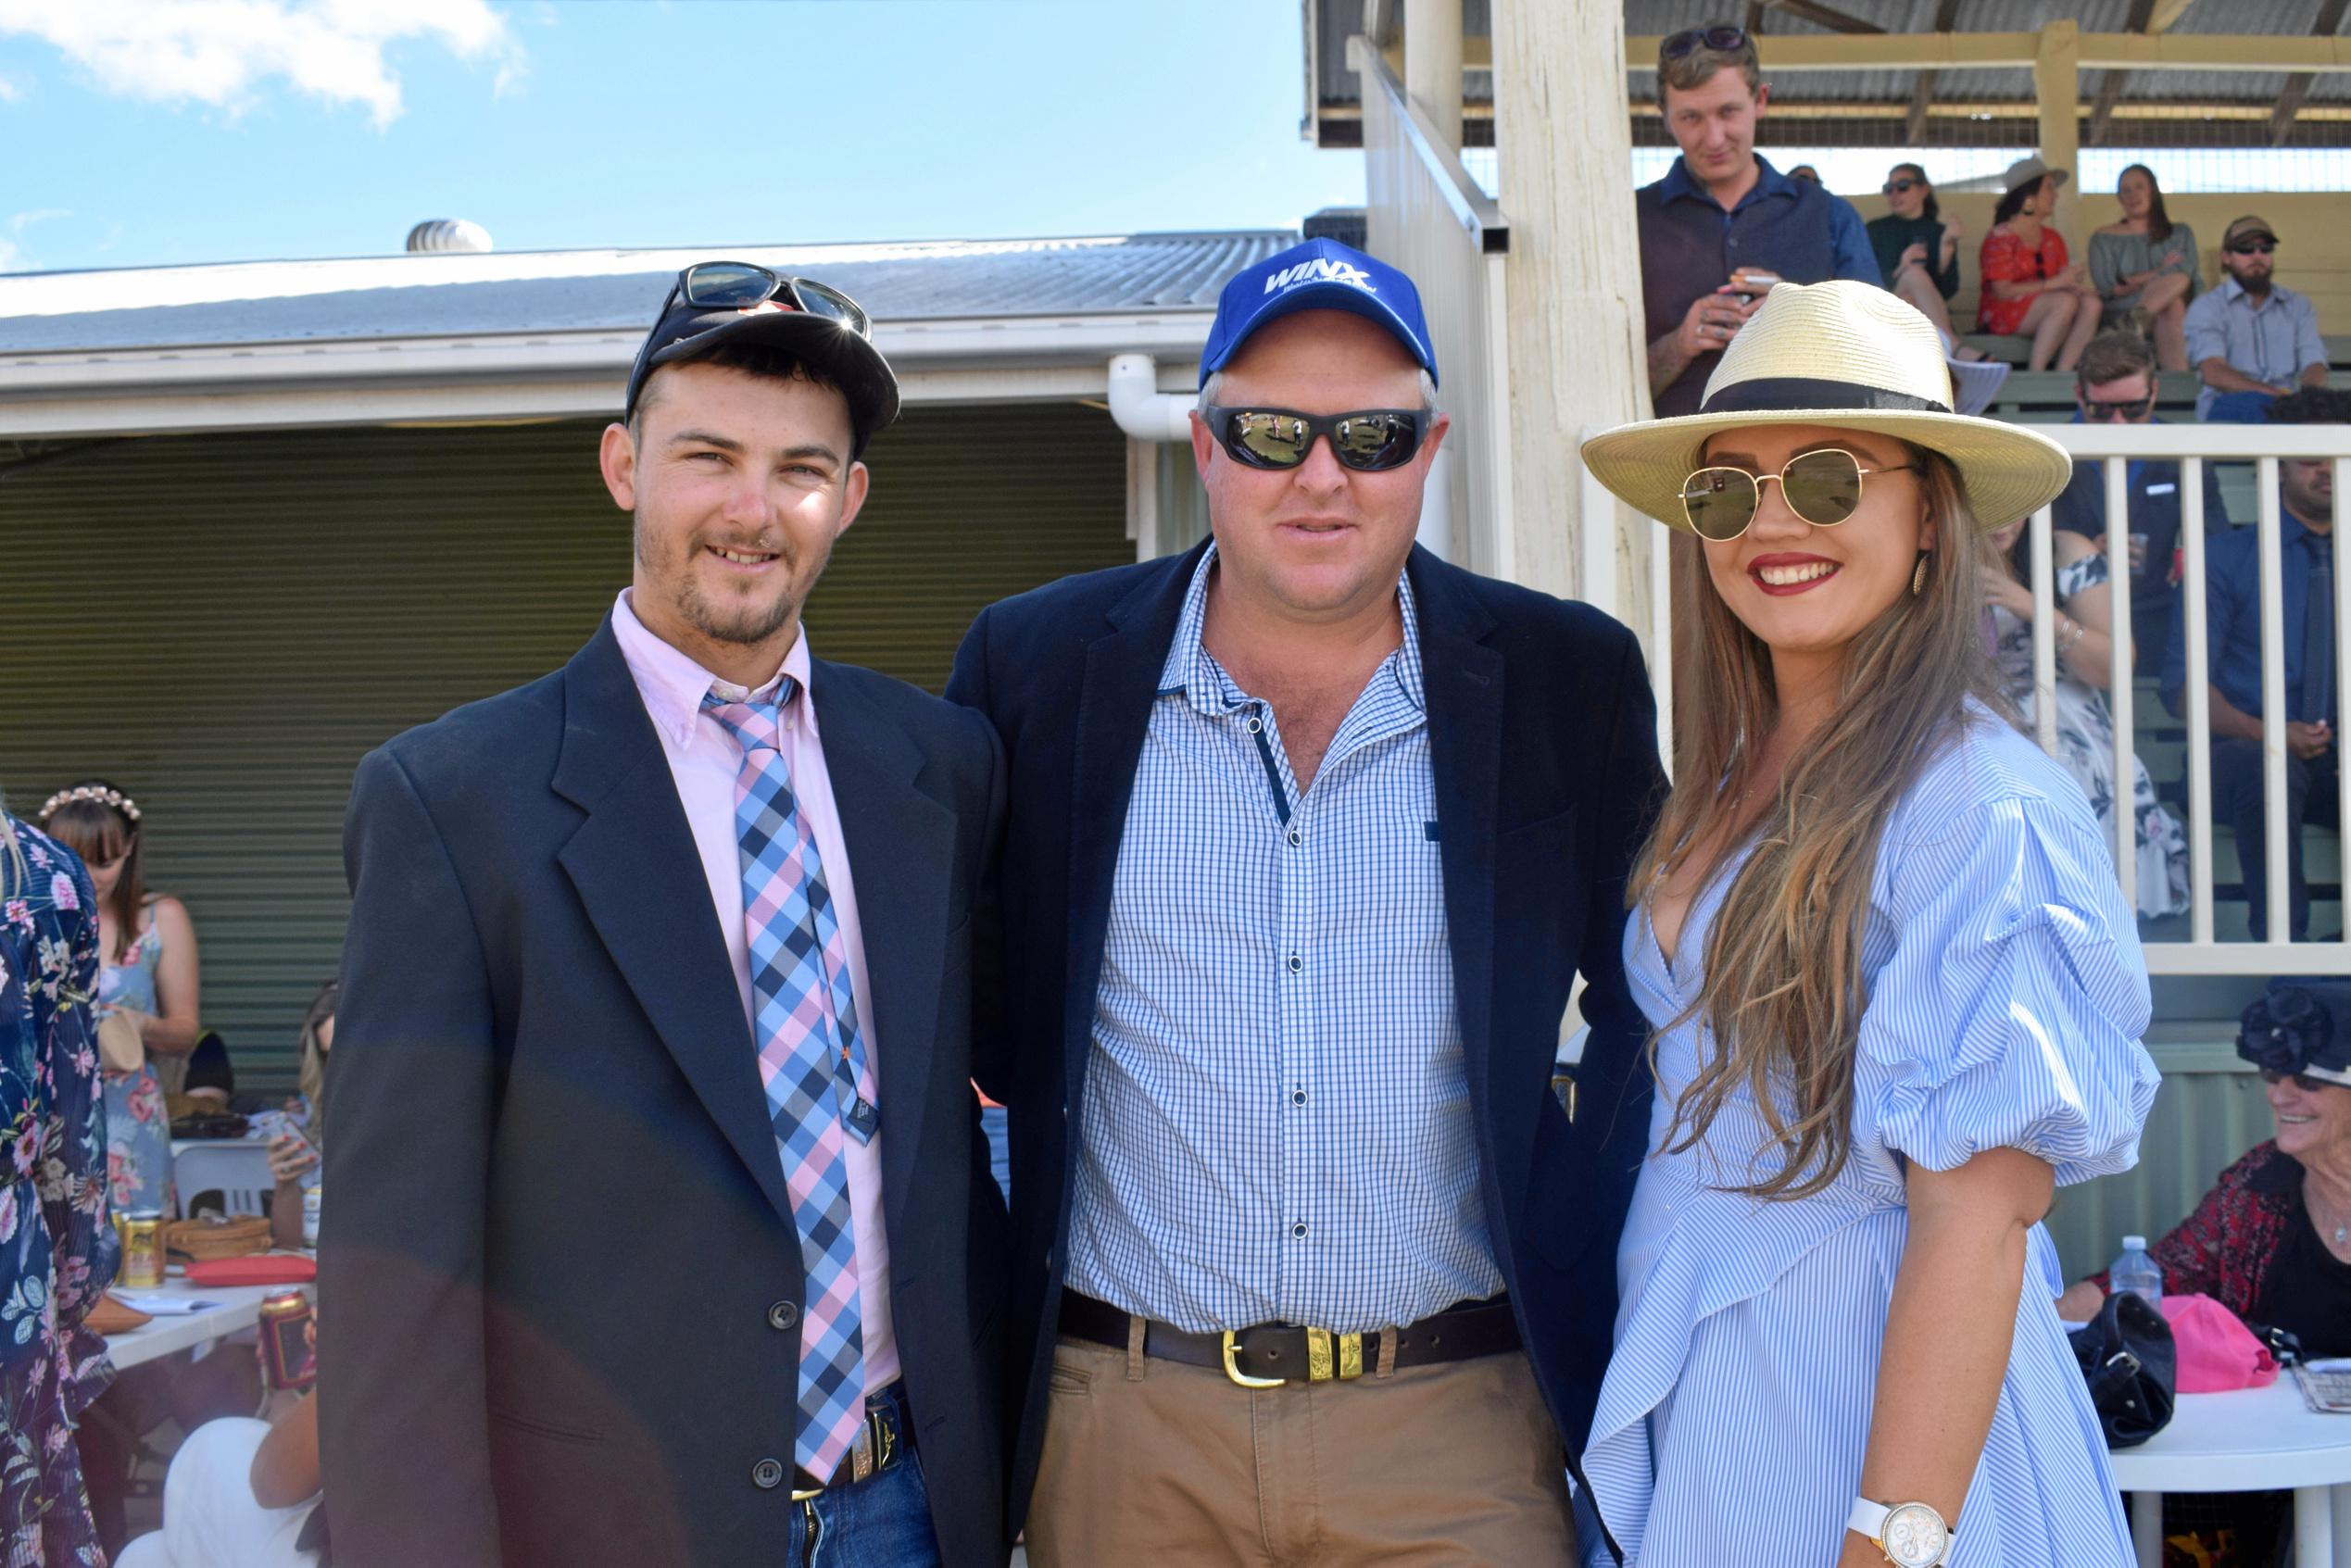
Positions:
{"x": 1542, "y": 737}
{"x": 561, "y": 1279}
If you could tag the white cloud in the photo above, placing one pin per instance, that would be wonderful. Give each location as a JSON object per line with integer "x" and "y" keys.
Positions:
{"x": 221, "y": 51}
{"x": 7, "y": 256}
{"x": 10, "y": 91}
{"x": 24, "y": 220}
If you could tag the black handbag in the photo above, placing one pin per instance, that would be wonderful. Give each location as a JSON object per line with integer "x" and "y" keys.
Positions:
{"x": 2132, "y": 1366}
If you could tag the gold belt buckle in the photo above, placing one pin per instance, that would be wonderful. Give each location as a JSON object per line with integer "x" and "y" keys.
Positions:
{"x": 1233, "y": 1371}
{"x": 1321, "y": 1366}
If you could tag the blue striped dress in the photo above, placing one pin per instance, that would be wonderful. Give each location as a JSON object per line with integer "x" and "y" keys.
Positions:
{"x": 2007, "y": 996}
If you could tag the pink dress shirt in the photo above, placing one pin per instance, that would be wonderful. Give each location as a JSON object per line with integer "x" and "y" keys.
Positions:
{"x": 704, "y": 760}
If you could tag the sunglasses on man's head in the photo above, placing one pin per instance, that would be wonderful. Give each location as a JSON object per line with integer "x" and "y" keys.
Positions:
{"x": 2302, "y": 1081}
{"x": 1368, "y": 440}
{"x": 1722, "y": 40}
{"x": 2098, "y": 412}
{"x": 1823, "y": 488}
{"x": 744, "y": 285}
{"x": 1901, "y": 187}
{"x": 2253, "y": 248}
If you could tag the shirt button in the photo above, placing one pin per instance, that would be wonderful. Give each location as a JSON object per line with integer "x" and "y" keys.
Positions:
{"x": 1298, "y": 1097}
{"x": 1255, "y": 724}
{"x": 767, "y": 1474}
{"x": 1298, "y": 1231}
{"x": 1296, "y": 838}
{"x": 783, "y": 1315}
{"x": 1295, "y": 964}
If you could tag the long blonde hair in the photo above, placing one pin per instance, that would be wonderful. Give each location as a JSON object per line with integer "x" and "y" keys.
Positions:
{"x": 1783, "y": 994}
{"x": 312, "y": 1072}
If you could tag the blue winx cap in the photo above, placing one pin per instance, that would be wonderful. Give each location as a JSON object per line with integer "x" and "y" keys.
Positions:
{"x": 1316, "y": 275}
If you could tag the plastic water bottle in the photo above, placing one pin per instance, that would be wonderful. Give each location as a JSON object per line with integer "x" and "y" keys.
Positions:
{"x": 2134, "y": 1270}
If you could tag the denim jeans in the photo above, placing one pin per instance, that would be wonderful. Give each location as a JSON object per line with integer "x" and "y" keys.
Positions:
{"x": 884, "y": 1522}
{"x": 2237, "y": 800}
{"x": 2240, "y": 407}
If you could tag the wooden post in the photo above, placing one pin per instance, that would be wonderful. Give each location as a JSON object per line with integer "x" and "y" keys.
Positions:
{"x": 2056, "y": 87}
{"x": 1432, "y": 62}
{"x": 1578, "y": 356}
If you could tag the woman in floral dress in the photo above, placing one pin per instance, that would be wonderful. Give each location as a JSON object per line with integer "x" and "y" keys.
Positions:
{"x": 2085, "y": 725}
{"x": 57, "y": 1252}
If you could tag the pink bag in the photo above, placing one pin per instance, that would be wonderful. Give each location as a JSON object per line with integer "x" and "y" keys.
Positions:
{"x": 2217, "y": 1351}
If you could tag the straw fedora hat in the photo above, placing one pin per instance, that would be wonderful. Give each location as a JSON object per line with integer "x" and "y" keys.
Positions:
{"x": 1843, "y": 354}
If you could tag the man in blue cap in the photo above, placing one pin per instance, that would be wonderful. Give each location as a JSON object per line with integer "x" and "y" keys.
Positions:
{"x": 1309, "y": 836}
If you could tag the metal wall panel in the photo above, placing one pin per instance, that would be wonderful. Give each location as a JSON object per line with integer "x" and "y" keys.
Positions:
{"x": 224, "y": 624}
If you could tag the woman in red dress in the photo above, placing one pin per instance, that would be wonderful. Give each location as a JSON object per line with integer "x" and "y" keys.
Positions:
{"x": 2029, "y": 285}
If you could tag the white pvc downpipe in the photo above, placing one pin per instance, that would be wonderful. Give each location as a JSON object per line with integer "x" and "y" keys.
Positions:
{"x": 1141, "y": 409}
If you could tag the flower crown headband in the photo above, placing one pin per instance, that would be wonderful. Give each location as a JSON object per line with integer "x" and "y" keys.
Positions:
{"x": 114, "y": 798}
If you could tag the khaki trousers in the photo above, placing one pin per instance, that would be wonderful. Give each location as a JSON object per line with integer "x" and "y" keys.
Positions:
{"x": 1151, "y": 1461}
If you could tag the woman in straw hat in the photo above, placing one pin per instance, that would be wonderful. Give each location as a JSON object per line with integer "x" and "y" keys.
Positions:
{"x": 1896, "y": 993}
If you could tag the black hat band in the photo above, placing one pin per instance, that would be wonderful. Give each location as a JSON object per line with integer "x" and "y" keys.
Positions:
{"x": 1781, "y": 395}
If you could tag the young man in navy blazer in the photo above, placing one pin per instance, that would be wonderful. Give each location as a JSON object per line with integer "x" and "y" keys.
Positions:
{"x": 663, "y": 1232}
{"x": 1309, "y": 835}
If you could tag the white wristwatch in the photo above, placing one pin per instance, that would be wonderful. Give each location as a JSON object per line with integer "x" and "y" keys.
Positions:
{"x": 1912, "y": 1535}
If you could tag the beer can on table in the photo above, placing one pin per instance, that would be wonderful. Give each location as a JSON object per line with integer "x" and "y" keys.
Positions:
{"x": 142, "y": 1266}
{"x": 287, "y": 1360}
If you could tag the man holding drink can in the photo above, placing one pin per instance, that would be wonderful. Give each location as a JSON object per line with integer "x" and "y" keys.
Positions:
{"x": 1723, "y": 225}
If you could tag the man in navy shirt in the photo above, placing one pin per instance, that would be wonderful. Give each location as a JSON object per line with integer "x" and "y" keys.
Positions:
{"x": 2233, "y": 596}
{"x": 1720, "y": 210}
{"x": 2116, "y": 382}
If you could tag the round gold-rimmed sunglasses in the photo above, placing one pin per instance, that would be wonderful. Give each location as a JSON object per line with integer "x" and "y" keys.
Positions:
{"x": 1822, "y": 488}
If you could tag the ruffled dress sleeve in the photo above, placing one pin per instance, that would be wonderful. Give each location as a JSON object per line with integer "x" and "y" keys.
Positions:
{"x": 2009, "y": 1010}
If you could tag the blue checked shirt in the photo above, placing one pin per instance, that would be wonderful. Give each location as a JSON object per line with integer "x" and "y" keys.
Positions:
{"x": 1275, "y": 1120}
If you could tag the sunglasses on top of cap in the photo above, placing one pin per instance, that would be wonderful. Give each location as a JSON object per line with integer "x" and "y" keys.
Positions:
{"x": 1368, "y": 440}
{"x": 740, "y": 285}
{"x": 1722, "y": 40}
{"x": 1823, "y": 488}
{"x": 744, "y": 285}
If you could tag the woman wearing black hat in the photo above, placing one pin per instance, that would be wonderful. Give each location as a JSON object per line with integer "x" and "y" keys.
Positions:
{"x": 2271, "y": 1241}
{"x": 1895, "y": 993}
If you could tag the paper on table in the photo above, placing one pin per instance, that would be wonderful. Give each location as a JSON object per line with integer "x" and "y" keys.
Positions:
{"x": 164, "y": 1306}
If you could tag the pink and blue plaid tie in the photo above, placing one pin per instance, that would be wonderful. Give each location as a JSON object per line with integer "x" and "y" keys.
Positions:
{"x": 812, "y": 1062}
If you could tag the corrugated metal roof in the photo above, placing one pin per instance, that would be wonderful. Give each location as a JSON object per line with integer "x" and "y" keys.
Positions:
{"x": 1334, "y": 20}
{"x": 523, "y": 292}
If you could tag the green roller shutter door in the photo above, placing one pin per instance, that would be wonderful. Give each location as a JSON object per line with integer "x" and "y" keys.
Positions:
{"x": 224, "y": 624}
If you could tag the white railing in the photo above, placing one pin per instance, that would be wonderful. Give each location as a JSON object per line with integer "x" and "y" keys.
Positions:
{"x": 2192, "y": 446}
{"x": 1431, "y": 220}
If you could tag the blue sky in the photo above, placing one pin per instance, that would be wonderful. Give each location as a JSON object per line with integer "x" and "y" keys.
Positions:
{"x": 260, "y": 129}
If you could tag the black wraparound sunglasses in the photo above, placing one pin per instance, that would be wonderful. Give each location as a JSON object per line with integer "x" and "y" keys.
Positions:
{"x": 2253, "y": 247}
{"x": 1368, "y": 440}
{"x": 738, "y": 285}
{"x": 1720, "y": 39}
{"x": 2098, "y": 413}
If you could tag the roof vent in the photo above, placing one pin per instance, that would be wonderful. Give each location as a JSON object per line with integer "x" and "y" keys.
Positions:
{"x": 437, "y": 235}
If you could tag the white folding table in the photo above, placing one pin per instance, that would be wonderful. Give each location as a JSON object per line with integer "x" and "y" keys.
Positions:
{"x": 2250, "y": 1440}
{"x": 234, "y": 1307}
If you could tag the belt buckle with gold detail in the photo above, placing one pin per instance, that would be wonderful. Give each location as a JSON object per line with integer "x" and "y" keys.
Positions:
{"x": 1321, "y": 1366}
{"x": 1233, "y": 1371}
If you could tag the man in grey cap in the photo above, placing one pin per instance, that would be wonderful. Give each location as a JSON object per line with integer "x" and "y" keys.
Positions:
{"x": 2252, "y": 338}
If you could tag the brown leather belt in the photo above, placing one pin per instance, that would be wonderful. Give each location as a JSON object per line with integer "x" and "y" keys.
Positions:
{"x": 1273, "y": 1354}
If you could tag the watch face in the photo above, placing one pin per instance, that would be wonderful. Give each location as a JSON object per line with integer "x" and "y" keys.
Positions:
{"x": 1915, "y": 1535}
